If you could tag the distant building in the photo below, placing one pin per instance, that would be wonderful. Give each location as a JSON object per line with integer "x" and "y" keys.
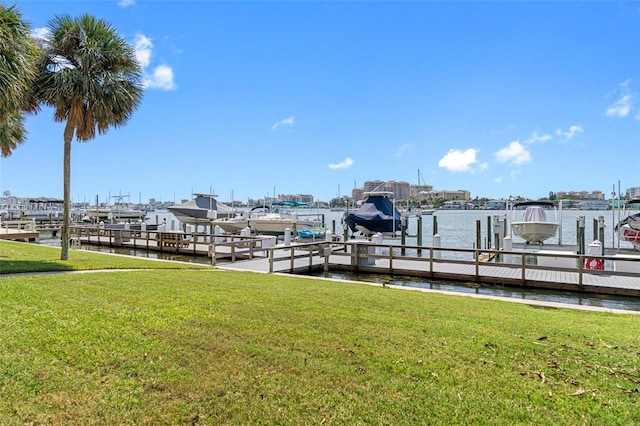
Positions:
{"x": 299, "y": 198}
{"x": 404, "y": 191}
{"x": 633, "y": 192}
{"x": 581, "y": 195}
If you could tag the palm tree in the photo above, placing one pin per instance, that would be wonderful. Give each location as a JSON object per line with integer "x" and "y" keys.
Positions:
{"x": 91, "y": 77}
{"x": 18, "y": 55}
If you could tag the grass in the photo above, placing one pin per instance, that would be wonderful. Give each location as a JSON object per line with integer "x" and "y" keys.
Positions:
{"x": 16, "y": 257}
{"x": 214, "y": 347}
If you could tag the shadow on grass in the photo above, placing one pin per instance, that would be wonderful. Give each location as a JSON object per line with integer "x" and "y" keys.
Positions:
{"x": 23, "y": 266}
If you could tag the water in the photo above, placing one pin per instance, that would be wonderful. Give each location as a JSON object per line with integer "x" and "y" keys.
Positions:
{"x": 457, "y": 229}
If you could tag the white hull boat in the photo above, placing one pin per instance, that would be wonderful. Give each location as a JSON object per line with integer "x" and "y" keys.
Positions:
{"x": 533, "y": 226}
{"x": 628, "y": 229}
{"x": 202, "y": 210}
{"x": 278, "y": 223}
{"x": 116, "y": 214}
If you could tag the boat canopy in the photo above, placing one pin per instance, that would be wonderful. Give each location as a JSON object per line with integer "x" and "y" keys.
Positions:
{"x": 533, "y": 203}
{"x": 534, "y": 214}
{"x": 292, "y": 204}
{"x": 377, "y": 214}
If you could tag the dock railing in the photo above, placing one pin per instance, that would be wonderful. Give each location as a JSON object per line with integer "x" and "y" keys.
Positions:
{"x": 616, "y": 273}
{"x": 620, "y": 274}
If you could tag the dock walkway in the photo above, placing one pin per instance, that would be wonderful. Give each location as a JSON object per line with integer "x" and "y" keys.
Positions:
{"x": 550, "y": 270}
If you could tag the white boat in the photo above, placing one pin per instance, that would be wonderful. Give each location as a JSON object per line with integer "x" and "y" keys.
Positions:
{"x": 276, "y": 223}
{"x": 628, "y": 228}
{"x": 116, "y": 213}
{"x": 234, "y": 224}
{"x": 240, "y": 221}
{"x": 533, "y": 225}
{"x": 203, "y": 209}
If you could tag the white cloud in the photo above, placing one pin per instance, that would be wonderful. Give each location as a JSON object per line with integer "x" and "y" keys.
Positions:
{"x": 284, "y": 122}
{"x": 125, "y": 3}
{"x": 458, "y": 161}
{"x": 571, "y": 133}
{"x": 348, "y": 162}
{"x": 162, "y": 78}
{"x": 143, "y": 47}
{"x": 403, "y": 149}
{"x": 620, "y": 108}
{"x": 538, "y": 138}
{"x": 41, "y": 33}
{"x": 623, "y": 106}
{"x": 515, "y": 153}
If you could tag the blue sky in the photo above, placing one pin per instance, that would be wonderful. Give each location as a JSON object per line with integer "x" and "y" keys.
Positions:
{"x": 498, "y": 98}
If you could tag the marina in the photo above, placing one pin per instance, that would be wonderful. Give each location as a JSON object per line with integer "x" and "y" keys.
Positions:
{"x": 452, "y": 248}
{"x": 547, "y": 269}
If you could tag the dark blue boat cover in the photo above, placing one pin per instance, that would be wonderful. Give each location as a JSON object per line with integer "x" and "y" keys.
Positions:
{"x": 377, "y": 214}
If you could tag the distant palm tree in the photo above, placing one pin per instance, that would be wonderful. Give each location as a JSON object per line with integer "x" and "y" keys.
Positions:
{"x": 91, "y": 77}
{"x": 18, "y": 55}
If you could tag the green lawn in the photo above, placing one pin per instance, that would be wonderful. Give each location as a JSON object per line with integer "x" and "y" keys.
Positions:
{"x": 189, "y": 346}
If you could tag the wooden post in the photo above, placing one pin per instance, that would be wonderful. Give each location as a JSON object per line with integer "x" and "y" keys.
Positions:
{"x": 435, "y": 224}
{"x": 478, "y": 236}
{"x": 403, "y": 235}
{"x": 580, "y": 234}
{"x": 489, "y": 229}
{"x": 419, "y": 242}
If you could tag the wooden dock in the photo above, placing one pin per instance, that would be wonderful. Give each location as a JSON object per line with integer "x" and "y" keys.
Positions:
{"x": 520, "y": 271}
{"x": 557, "y": 270}
{"x": 18, "y": 234}
{"x": 19, "y": 231}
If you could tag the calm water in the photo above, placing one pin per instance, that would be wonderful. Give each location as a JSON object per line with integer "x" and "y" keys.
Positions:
{"x": 457, "y": 229}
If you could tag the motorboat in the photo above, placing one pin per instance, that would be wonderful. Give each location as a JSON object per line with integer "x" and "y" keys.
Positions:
{"x": 312, "y": 234}
{"x": 533, "y": 225}
{"x": 628, "y": 228}
{"x": 278, "y": 221}
{"x": 240, "y": 221}
{"x": 377, "y": 214}
{"x": 202, "y": 210}
{"x": 115, "y": 213}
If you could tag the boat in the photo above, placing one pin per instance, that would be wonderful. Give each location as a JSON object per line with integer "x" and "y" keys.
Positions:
{"x": 376, "y": 214}
{"x": 312, "y": 234}
{"x": 278, "y": 221}
{"x": 115, "y": 213}
{"x": 240, "y": 221}
{"x": 43, "y": 209}
{"x": 533, "y": 225}
{"x": 203, "y": 209}
{"x": 628, "y": 228}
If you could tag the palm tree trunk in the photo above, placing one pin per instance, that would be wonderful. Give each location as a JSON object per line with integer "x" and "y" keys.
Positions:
{"x": 66, "y": 211}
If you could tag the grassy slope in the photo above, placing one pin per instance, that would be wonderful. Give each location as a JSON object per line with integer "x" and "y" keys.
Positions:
{"x": 214, "y": 347}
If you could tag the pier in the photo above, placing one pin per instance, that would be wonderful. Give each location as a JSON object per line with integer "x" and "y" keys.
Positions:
{"x": 547, "y": 269}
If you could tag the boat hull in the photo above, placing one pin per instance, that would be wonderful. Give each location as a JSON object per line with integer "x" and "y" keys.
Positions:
{"x": 115, "y": 214}
{"x": 631, "y": 236}
{"x": 534, "y": 232}
{"x": 279, "y": 226}
{"x": 232, "y": 225}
